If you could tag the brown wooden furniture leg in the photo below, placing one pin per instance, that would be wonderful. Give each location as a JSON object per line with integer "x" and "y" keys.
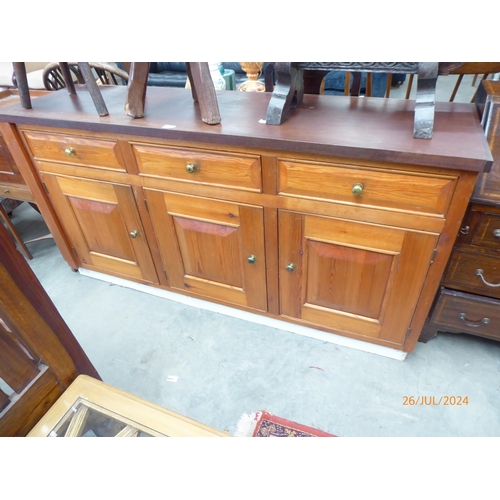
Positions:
{"x": 429, "y": 331}
{"x": 95, "y": 93}
{"x": 22, "y": 84}
{"x": 136, "y": 92}
{"x": 203, "y": 90}
{"x": 68, "y": 80}
{"x": 5, "y": 217}
{"x": 288, "y": 92}
{"x": 425, "y": 100}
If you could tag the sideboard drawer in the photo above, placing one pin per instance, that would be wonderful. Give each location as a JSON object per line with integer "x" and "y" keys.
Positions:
{"x": 200, "y": 167}
{"x": 468, "y": 313}
{"x": 488, "y": 232}
{"x": 76, "y": 150}
{"x": 383, "y": 188}
{"x": 464, "y": 273}
{"x": 15, "y": 193}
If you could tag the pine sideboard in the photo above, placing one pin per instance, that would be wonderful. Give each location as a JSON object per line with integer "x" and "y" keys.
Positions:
{"x": 337, "y": 219}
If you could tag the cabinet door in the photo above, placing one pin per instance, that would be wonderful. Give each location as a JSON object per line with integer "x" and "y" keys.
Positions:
{"x": 356, "y": 278}
{"x": 211, "y": 248}
{"x": 103, "y": 224}
{"x": 9, "y": 172}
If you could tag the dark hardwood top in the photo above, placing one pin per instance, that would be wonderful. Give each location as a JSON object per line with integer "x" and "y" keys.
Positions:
{"x": 354, "y": 127}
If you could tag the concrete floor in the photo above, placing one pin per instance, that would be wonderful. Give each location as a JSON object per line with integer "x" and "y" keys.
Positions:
{"x": 226, "y": 366}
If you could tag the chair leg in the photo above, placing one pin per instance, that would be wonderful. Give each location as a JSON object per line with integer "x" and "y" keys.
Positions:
{"x": 388, "y": 86}
{"x": 68, "y": 80}
{"x": 356, "y": 84}
{"x": 4, "y": 216}
{"x": 22, "y": 84}
{"x": 455, "y": 89}
{"x": 136, "y": 92}
{"x": 410, "y": 85}
{"x": 203, "y": 89}
{"x": 94, "y": 91}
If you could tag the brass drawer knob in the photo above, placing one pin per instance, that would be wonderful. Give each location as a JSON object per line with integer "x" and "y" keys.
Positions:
{"x": 496, "y": 233}
{"x": 70, "y": 151}
{"x": 190, "y": 168}
{"x": 474, "y": 324}
{"x": 357, "y": 189}
{"x": 251, "y": 259}
{"x": 134, "y": 233}
{"x": 290, "y": 267}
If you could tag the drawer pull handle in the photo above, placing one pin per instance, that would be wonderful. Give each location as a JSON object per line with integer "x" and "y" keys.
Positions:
{"x": 190, "y": 168}
{"x": 464, "y": 230}
{"x": 357, "y": 189}
{"x": 251, "y": 259}
{"x": 6, "y": 191}
{"x": 474, "y": 324}
{"x": 479, "y": 272}
{"x": 496, "y": 233}
{"x": 290, "y": 267}
{"x": 134, "y": 233}
{"x": 70, "y": 151}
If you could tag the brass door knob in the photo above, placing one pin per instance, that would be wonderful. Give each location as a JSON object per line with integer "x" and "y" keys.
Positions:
{"x": 357, "y": 189}
{"x": 496, "y": 233}
{"x": 190, "y": 168}
{"x": 290, "y": 267}
{"x": 134, "y": 233}
{"x": 70, "y": 151}
{"x": 251, "y": 259}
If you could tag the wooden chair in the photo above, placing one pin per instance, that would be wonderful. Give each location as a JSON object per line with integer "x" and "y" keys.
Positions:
{"x": 483, "y": 70}
{"x": 105, "y": 74}
{"x": 39, "y": 356}
{"x": 88, "y": 76}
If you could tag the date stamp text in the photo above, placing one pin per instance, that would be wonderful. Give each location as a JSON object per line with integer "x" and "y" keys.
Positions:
{"x": 435, "y": 400}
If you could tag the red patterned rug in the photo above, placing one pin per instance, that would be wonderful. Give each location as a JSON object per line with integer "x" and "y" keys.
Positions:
{"x": 264, "y": 424}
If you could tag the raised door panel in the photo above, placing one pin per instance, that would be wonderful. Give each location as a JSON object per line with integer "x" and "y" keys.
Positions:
{"x": 103, "y": 224}
{"x": 8, "y": 169}
{"x": 352, "y": 277}
{"x": 211, "y": 248}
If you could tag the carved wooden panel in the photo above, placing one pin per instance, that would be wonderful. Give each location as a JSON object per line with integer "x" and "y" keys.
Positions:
{"x": 211, "y": 248}
{"x": 353, "y": 277}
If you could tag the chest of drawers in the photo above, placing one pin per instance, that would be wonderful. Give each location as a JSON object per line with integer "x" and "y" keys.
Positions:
{"x": 469, "y": 299}
{"x": 340, "y": 225}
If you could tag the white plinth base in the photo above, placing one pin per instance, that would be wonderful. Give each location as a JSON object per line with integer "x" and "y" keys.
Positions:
{"x": 254, "y": 318}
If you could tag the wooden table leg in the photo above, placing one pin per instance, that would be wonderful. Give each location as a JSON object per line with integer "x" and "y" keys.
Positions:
{"x": 136, "y": 92}
{"x": 22, "y": 84}
{"x": 203, "y": 89}
{"x": 425, "y": 100}
{"x": 288, "y": 92}
{"x": 95, "y": 93}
